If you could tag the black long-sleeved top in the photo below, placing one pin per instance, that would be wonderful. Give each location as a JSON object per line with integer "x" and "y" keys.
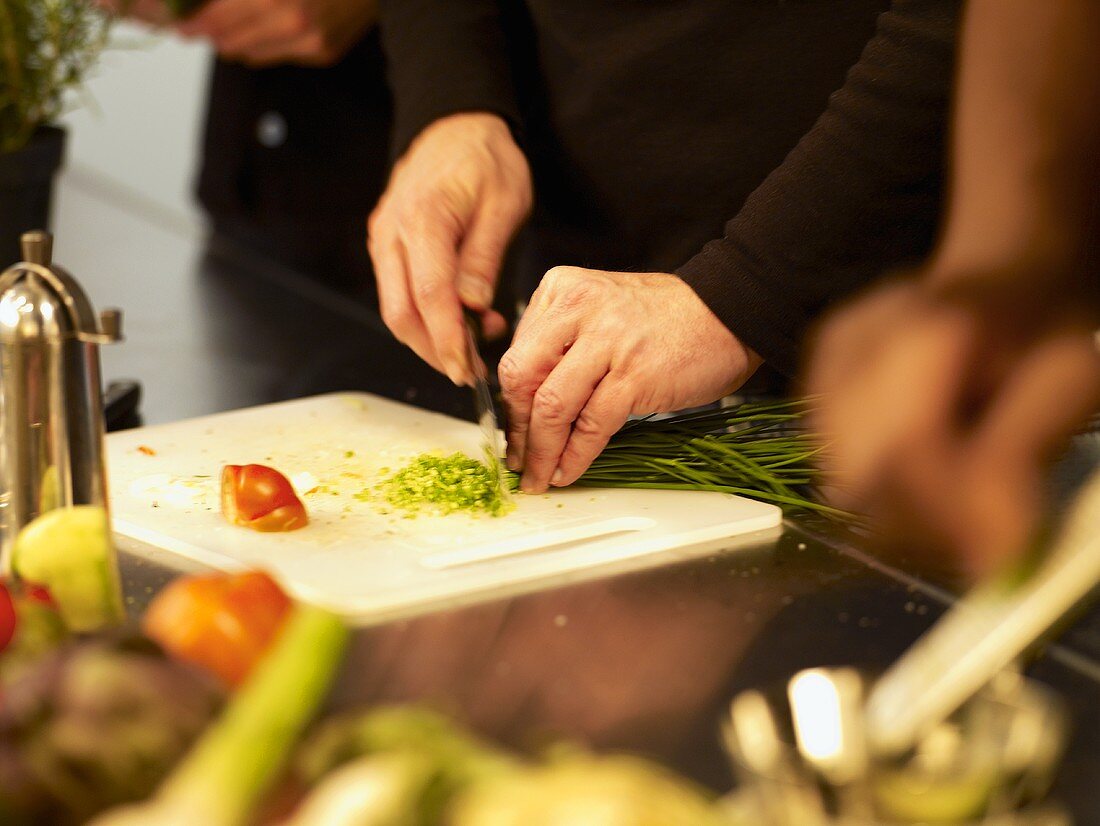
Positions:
{"x": 294, "y": 158}
{"x": 649, "y": 123}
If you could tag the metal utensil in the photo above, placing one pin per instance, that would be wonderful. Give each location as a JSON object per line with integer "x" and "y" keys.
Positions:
{"x": 984, "y": 632}
{"x": 491, "y": 444}
{"x": 827, "y": 713}
{"x": 51, "y": 410}
{"x": 779, "y": 790}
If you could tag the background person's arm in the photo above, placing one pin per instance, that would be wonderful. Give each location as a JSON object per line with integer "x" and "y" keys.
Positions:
{"x": 946, "y": 398}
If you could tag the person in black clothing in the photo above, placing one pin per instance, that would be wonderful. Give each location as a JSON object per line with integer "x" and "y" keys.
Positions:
{"x": 641, "y": 128}
{"x": 296, "y": 144}
{"x": 294, "y": 159}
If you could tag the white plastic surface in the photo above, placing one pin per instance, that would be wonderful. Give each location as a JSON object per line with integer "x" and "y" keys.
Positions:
{"x": 356, "y": 557}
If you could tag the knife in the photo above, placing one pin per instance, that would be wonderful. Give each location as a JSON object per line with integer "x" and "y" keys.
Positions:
{"x": 491, "y": 445}
{"x": 985, "y": 631}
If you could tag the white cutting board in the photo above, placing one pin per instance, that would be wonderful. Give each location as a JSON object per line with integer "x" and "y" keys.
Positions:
{"x": 354, "y": 556}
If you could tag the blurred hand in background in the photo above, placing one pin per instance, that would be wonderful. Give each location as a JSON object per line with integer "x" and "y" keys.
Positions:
{"x": 945, "y": 399}
{"x": 266, "y": 32}
{"x": 943, "y": 413}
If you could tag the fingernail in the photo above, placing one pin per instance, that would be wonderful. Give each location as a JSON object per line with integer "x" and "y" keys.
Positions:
{"x": 474, "y": 290}
{"x": 511, "y": 459}
{"x": 555, "y": 480}
{"x": 456, "y": 369}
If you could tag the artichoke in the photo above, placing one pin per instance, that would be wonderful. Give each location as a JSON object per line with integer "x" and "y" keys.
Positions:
{"x": 92, "y": 724}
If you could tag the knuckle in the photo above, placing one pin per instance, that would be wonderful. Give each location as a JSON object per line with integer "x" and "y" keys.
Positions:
{"x": 510, "y": 374}
{"x": 427, "y": 290}
{"x": 314, "y": 44}
{"x": 297, "y": 23}
{"x": 549, "y": 406}
{"x": 557, "y": 276}
{"x": 398, "y": 320}
{"x": 589, "y": 426}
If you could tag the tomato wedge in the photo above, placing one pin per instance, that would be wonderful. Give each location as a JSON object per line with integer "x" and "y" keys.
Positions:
{"x": 222, "y": 623}
{"x": 261, "y": 498}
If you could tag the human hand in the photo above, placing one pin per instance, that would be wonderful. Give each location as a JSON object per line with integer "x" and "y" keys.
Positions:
{"x": 440, "y": 230}
{"x": 942, "y": 416}
{"x": 596, "y": 347}
{"x": 268, "y": 32}
{"x": 152, "y": 12}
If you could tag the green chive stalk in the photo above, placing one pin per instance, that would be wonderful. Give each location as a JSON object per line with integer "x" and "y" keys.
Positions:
{"x": 224, "y": 776}
{"x": 757, "y": 450}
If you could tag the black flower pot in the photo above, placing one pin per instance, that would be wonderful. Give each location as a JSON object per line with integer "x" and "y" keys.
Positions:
{"x": 26, "y": 186}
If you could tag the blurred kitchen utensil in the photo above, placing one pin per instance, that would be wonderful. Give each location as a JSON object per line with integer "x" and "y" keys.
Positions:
{"x": 491, "y": 444}
{"x": 985, "y": 631}
{"x": 780, "y": 791}
{"x": 827, "y": 713}
{"x": 51, "y": 407}
{"x": 800, "y": 756}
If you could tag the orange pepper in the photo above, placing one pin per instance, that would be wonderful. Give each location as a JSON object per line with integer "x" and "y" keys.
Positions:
{"x": 222, "y": 623}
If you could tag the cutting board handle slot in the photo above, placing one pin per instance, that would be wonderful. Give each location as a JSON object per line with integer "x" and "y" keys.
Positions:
{"x": 547, "y": 540}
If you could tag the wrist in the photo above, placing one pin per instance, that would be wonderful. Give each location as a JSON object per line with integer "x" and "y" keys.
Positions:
{"x": 483, "y": 125}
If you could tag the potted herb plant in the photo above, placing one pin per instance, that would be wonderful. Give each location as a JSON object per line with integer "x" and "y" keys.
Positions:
{"x": 46, "y": 48}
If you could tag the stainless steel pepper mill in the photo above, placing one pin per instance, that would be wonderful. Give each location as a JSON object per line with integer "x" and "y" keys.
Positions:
{"x": 51, "y": 407}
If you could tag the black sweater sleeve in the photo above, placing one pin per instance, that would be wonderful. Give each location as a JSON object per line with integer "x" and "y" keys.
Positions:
{"x": 443, "y": 57}
{"x": 859, "y": 192}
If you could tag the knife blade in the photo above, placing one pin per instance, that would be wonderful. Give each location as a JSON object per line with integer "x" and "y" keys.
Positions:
{"x": 491, "y": 444}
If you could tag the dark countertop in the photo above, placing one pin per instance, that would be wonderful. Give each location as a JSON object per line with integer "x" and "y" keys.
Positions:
{"x": 645, "y": 661}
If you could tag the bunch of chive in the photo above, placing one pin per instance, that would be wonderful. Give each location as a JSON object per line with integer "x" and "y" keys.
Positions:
{"x": 754, "y": 449}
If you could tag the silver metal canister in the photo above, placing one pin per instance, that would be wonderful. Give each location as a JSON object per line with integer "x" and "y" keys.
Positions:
{"x": 51, "y": 408}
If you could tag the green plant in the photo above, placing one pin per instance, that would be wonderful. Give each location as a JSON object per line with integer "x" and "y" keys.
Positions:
{"x": 759, "y": 450}
{"x": 46, "y": 48}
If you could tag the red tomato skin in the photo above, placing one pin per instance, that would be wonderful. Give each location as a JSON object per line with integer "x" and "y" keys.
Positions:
{"x": 261, "y": 498}
{"x": 222, "y": 623}
{"x": 7, "y": 616}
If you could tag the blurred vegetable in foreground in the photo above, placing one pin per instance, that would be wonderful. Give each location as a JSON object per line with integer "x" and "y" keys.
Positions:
{"x": 222, "y": 623}
{"x": 93, "y": 724}
{"x": 437, "y": 758}
{"x": 36, "y": 628}
{"x": 7, "y": 616}
{"x": 69, "y": 551}
{"x": 377, "y": 790}
{"x": 596, "y": 791}
{"x": 223, "y": 778}
{"x": 409, "y": 766}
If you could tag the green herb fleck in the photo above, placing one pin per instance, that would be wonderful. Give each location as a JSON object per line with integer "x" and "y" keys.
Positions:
{"x": 444, "y": 484}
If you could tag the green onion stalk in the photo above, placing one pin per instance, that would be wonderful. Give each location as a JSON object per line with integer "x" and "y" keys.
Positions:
{"x": 757, "y": 450}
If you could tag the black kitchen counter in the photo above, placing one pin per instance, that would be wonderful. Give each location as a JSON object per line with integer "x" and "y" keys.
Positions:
{"x": 645, "y": 661}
